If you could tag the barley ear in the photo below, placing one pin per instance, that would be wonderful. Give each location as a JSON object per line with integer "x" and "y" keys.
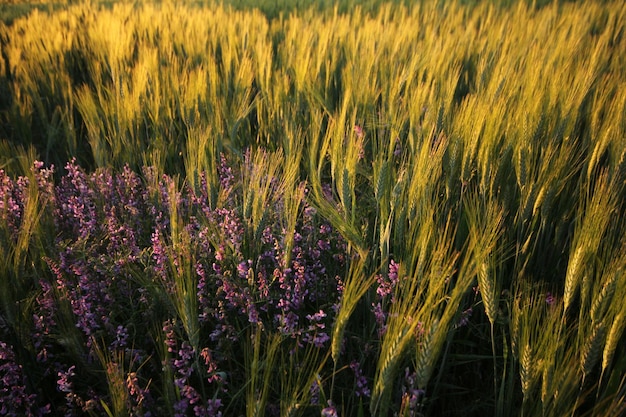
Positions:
{"x": 621, "y": 168}
{"x": 488, "y": 291}
{"x": 521, "y": 166}
{"x": 527, "y": 369}
{"x": 591, "y": 350}
{"x": 382, "y": 181}
{"x": 426, "y": 357}
{"x": 547, "y": 375}
{"x": 603, "y": 299}
{"x": 612, "y": 339}
{"x": 573, "y": 276}
{"x": 387, "y": 364}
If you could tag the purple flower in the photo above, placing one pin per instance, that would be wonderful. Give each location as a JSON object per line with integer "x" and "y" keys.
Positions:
{"x": 411, "y": 396}
{"x": 121, "y": 338}
{"x": 14, "y": 399}
{"x": 397, "y": 152}
{"x": 213, "y": 407}
{"x": 63, "y": 383}
{"x": 387, "y": 285}
{"x": 77, "y": 205}
{"x": 287, "y": 323}
{"x": 141, "y": 398}
{"x": 316, "y": 319}
{"x": 315, "y": 392}
{"x": 362, "y": 389}
{"x": 12, "y": 196}
{"x": 465, "y": 317}
{"x": 329, "y": 411}
{"x": 243, "y": 268}
{"x": 253, "y": 313}
{"x": 314, "y": 336}
{"x": 358, "y": 130}
{"x": 323, "y": 245}
{"x": 184, "y": 364}
{"x": 211, "y": 365}
{"x": 380, "y": 316}
{"x": 320, "y": 339}
{"x": 43, "y": 319}
{"x": 170, "y": 335}
{"x": 159, "y": 254}
{"x": 225, "y": 172}
{"x": 325, "y": 229}
{"x": 45, "y": 182}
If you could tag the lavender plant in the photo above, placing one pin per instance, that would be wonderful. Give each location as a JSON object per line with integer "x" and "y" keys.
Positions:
{"x": 156, "y": 293}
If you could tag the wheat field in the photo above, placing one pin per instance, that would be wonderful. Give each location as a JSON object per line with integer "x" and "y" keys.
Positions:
{"x": 366, "y": 208}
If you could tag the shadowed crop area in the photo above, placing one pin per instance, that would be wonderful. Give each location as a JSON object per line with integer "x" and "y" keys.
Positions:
{"x": 367, "y": 209}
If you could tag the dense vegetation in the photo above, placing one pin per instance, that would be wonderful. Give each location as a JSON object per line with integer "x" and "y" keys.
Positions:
{"x": 384, "y": 209}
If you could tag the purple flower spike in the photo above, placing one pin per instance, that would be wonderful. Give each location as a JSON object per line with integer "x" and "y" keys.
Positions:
{"x": 14, "y": 399}
{"x": 362, "y": 389}
{"x": 63, "y": 383}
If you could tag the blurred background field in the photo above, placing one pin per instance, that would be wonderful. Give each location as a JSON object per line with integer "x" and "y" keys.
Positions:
{"x": 10, "y": 9}
{"x": 420, "y": 204}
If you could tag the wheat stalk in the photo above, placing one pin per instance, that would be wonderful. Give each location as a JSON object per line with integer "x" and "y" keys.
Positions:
{"x": 113, "y": 366}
